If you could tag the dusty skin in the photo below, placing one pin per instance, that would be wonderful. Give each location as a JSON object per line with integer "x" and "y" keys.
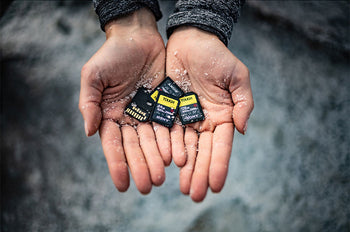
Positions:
{"x": 133, "y": 55}
{"x": 201, "y": 61}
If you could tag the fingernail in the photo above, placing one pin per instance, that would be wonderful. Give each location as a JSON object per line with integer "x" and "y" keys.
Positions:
{"x": 245, "y": 127}
{"x": 86, "y": 128}
{"x": 191, "y": 192}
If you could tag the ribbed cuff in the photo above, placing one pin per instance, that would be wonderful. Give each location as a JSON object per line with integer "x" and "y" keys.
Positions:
{"x": 108, "y": 10}
{"x": 215, "y": 16}
{"x": 203, "y": 19}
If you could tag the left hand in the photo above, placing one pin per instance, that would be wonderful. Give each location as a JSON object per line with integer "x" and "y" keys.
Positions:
{"x": 198, "y": 61}
{"x": 133, "y": 55}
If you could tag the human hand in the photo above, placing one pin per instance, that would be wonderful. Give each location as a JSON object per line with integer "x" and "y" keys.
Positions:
{"x": 133, "y": 55}
{"x": 198, "y": 61}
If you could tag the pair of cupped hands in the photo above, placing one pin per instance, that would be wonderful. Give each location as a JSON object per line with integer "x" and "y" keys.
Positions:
{"x": 133, "y": 55}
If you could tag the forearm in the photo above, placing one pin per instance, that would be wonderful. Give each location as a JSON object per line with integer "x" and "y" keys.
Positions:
{"x": 108, "y": 10}
{"x": 215, "y": 16}
{"x": 140, "y": 21}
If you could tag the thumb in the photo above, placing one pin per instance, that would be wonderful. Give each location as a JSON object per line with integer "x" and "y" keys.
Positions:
{"x": 90, "y": 99}
{"x": 243, "y": 106}
{"x": 242, "y": 98}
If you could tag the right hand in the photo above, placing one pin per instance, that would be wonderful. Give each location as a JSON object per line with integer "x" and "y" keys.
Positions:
{"x": 133, "y": 55}
{"x": 202, "y": 63}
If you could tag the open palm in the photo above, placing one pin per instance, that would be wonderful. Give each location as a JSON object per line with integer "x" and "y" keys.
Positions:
{"x": 132, "y": 56}
{"x": 198, "y": 61}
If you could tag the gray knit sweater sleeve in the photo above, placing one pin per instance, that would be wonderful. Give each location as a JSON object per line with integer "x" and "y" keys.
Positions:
{"x": 215, "y": 16}
{"x": 110, "y": 9}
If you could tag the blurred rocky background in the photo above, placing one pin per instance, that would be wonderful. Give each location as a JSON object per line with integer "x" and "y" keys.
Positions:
{"x": 291, "y": 172}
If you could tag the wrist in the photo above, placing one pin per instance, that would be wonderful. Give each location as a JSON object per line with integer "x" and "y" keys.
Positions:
{"x": 192, "y": 31}
{"x": 142, "y": 19}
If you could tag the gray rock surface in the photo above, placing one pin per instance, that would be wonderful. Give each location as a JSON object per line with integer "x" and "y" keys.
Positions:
{"x": 289, "y": 173}
{"x": 324, "y": 23}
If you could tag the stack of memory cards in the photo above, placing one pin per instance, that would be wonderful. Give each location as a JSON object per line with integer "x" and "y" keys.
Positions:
{"x": 163, "y": 104}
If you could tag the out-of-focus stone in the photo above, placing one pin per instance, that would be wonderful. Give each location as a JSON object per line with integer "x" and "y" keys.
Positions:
{"x": 325, "y": 23}
{"x": 289, "y": 173}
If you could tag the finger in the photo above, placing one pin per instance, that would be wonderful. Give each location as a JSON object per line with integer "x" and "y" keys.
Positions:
{"x": 177, "y": 145}
{"x": 90, "y": 99}
{"x": 242, "y": 98}
{"x": 199, "y": 183}
{"x": 222, "y": 146}
{"x": 137, "y": 163}
{"x": 151, "y": 153}
{"x": 163, "y": 142}
{"x": 191, "y": 142}
{"x": 111, "y": 140}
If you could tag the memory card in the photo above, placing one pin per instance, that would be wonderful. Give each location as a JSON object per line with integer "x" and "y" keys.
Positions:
{"x": 165, "y": 109}
{"x": 140, "y": 106}
{"x": 190, "y": 109}
{"x": 167, "y": 86}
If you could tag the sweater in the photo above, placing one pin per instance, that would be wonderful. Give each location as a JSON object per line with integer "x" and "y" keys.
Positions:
{"x": 215, "y": 16}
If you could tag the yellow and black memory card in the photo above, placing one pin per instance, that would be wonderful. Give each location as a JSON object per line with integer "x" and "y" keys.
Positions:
{"x": 165, "y": 109}
{"x": 140, "y": 106}
{"x": 190, "y": 109}
{"x": 168, "y": 86}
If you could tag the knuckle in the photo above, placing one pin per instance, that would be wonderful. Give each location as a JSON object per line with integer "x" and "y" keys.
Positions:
{"x": 88, "y": 73}
{"x": 85, "y": 70}
{"x": 83, "y": 105}
{"x": 81, "y": 108}
{"x": 244, "y": 72}
{"x": 252, "y": 104}
{"x": 147, "y": 139}
{"x": 120, "y": 168}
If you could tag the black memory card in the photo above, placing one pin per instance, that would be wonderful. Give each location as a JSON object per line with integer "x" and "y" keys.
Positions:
{"x": 190, "y": 109}
{"x": 165, "y": 109}
{"x": 140, "y": 106}
{"x": 167, "y": 86}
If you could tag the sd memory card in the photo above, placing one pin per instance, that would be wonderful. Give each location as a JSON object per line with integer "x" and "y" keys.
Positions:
{"x": 190, "y": 109}
{"x": 140, "y": 106}
{"x": 167, "y": 86}
{"x": 165, "y": 109}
